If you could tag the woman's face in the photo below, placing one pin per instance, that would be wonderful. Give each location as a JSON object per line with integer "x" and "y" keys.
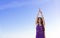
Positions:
{"x": 39, "y": 20}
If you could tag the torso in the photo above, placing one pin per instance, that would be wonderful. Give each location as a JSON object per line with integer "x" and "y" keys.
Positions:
{"x": 39, "y": 27}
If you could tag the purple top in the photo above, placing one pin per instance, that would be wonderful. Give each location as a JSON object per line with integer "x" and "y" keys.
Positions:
{"x": 40, "y": 31}
{"x": 40, "y": 28}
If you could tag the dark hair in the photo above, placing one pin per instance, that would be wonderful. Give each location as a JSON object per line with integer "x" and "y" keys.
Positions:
{"x": 41, "y": 20}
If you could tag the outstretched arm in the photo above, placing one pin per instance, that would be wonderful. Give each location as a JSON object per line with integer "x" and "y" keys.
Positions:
{"x": 42, "y": 17}
{"x": 37, "y": 18}
{"x": 40, "y": 13}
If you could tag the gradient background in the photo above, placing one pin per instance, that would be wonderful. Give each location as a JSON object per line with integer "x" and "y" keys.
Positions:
{"x": 17, "y": 18}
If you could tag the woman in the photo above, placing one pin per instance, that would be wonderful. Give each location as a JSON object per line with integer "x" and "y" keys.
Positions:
{"x": 40, "y": 29}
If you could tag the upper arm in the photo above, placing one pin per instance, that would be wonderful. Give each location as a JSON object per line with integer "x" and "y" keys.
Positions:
{"x": 36, "y": 20}
{"x": 43, "y": 20}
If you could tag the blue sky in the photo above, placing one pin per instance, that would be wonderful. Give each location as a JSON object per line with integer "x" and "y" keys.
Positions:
{"x": 17, "y": 18}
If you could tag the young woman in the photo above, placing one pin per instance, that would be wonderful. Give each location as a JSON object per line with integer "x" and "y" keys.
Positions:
{"x": 40, "y": 28}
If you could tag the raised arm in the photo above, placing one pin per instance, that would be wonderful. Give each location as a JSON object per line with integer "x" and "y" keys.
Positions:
{"x": 42, "y": 16}
{"x": 40, "y": 13}
{"x": 37, "y": 18}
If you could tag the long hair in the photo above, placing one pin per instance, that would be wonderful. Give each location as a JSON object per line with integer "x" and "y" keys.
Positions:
{"x": 38, "y": 20}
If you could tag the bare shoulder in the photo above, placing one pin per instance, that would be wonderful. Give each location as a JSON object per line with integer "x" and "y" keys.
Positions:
{"x": 36, "y": 24}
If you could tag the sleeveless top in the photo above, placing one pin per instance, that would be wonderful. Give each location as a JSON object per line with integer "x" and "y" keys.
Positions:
{"x": 40, "y": 28}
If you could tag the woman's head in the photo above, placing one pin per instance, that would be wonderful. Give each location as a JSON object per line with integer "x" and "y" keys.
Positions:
{"x": 39, "y": 20}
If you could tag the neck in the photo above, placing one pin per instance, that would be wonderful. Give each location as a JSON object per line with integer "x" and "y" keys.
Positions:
{"x": 40, "y": 24}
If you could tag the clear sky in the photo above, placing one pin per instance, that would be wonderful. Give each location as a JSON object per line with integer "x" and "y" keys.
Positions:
{"x": 17, "y": 18}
